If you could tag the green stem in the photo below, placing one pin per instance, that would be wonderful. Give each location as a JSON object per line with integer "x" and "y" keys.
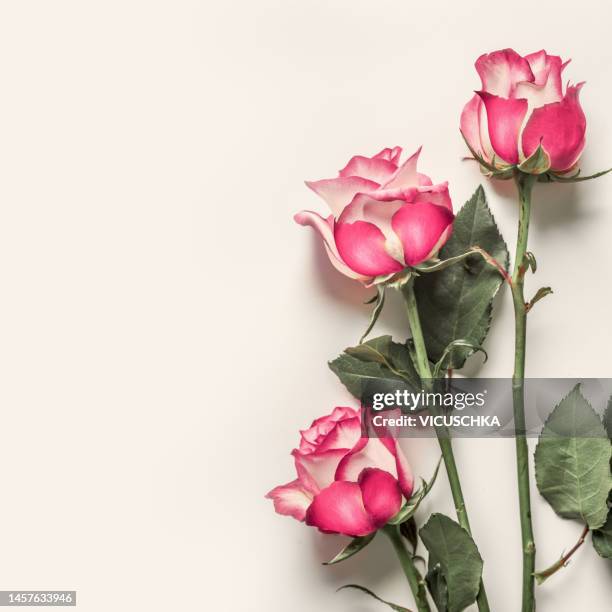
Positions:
{"x": 525, "y": 183}
{"x": 444, "y": 439}
{"x": 422, "y": 360}
{"x": 417, "y": 585}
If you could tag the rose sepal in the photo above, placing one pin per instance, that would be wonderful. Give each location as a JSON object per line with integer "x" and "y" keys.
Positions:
{"x": 410, "y": 507}
{"x": 352, "y": 548}
{"x": 490, "y": 170}
{"x": 396, "y": 280}
{"x": 537, "y": 163}
{"x": 379, "y": 301}
{"x": 554, "y": 177}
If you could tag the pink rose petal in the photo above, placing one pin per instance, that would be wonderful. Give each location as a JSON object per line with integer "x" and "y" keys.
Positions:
{"x": 381, "y": 495}
{"x": 504, "y": 119}
{"x": 339, "y": 509}
{"x": 291, "y": 499}
{"x": 420, "y": 227}
{"x": 500, "y": 72}
{"x": 560, "y": 127}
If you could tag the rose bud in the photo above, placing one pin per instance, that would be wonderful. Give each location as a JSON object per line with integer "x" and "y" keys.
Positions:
{"x": 520, "y": 108}
{"x": 345, "y": 483}
{"x": 385, "y": 217}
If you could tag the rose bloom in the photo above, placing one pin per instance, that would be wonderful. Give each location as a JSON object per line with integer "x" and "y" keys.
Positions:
{"x": 522, "y": 104}
{"x": 385, "y": 215}
{"x": 345, "y": 483}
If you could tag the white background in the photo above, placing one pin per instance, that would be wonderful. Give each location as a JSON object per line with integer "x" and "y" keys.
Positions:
{"x": 165, "y": 326}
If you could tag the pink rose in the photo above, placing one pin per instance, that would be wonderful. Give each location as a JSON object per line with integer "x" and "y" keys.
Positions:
{"x": 346, "y": 484}
{"x": 385, "y": 215}
{"x": 521, "y": 105}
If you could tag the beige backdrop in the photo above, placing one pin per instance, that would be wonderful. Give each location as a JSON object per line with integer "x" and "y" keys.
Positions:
{"x": 165, "y": 325}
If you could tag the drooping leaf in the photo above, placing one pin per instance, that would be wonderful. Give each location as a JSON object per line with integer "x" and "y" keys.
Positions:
{"x": 456, "y": 302}
{"x": 602, "y": 539}
{"x": 376, "y": 364}
{"x": 453, "y": 557}
{"x": 352, "y": 548}
{"x": 572, "y": 461}
{"x": 371, "y": 594}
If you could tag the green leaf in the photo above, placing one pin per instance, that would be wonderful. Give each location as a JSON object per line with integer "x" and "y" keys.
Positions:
{"x": 437, "y": 587}
{"x": 376, "y": 350}
{"x": 411, "y": 506}
{"x": 572, "y": 461}
{"x": 379, "y": 302}
{"x": 375, "y": 364}
{"x": 371, "y": 594}
{"x": 456, "y": 303}
{"x": 409, "y": 530}
{"x": 602, "y": 539}
{"x": 537, "y": 163}
{"x": 352, "y": 548}
{"x": 608, "y": 419}
{"x": 532, "y": 262}
{"x": 453, "y": 557}
{"x": 542, "y": 292}
{"x": 455, "y": 343}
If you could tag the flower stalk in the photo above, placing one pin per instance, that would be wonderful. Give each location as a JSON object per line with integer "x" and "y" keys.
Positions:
{"x": 415, "y": 580}
{"x": 442, "y": 433}
{"x": 525, "y": 183}
{"x": 564, "y": 560}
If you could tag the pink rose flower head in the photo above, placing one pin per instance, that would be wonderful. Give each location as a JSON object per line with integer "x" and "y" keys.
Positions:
{"x": 385, "y": 217}
{"x": 521, "y": 105}
{"x": 345, "y": 483}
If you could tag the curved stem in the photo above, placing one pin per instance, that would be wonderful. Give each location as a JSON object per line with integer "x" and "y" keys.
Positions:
{"x": 564, "y": 560}
{"x": 415, "y": 580}
{"x": 444, "y": 439}
{"x": 525, "y": 185}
